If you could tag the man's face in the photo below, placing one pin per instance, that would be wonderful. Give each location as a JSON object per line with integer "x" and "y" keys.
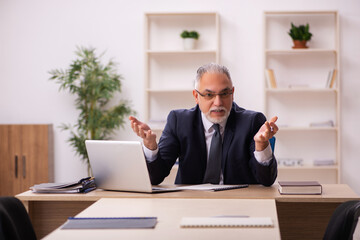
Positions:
{"x": 214, "y": 96}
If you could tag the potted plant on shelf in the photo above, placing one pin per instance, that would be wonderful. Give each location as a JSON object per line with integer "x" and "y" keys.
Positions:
{"x": 94, "y": 85}
{"x": 300, "y": 35}
{"x": 190, "y": 38}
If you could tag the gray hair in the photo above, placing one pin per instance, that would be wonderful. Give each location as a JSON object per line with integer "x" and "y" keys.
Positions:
{"x": 211, "y": 68}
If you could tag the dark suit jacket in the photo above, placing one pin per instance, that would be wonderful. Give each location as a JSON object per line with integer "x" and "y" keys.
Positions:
{"x": 184, "y": 138}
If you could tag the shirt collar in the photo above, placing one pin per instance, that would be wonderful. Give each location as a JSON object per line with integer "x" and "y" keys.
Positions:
{"x": 207, "y": 124}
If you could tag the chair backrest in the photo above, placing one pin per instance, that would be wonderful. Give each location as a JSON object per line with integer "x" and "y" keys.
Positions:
{"x": 15, "y": 223}
{"x": 343, "y": 221}
{"x": 356, "y": 235}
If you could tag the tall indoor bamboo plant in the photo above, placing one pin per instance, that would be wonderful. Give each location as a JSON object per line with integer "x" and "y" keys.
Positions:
{"x": 94, "y": 85}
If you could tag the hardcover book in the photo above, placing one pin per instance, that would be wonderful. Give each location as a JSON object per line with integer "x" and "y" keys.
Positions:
{"x": 270, "y": 78}
{"x": 300, "y": 187}
{"x": 331, "y": 79}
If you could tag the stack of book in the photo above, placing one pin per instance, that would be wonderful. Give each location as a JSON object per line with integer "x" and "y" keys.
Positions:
{"x": 329, "y": 123}
{"x": 290, "y": 162}
{"x": 83, "y": 186}
{"x": 324, "y": 162}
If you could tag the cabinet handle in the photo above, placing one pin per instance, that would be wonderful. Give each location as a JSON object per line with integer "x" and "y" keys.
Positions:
{"x": 16, "y": 166}
{"x": 24, "y": 166}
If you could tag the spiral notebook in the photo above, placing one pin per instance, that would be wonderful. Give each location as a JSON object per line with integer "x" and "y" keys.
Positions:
{"x": 195, "y": 222}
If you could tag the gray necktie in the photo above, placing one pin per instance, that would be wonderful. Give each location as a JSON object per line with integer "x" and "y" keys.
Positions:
{"x": 213, "y": 167}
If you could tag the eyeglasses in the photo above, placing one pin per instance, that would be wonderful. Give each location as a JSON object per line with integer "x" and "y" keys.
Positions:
{"x": 209, "y": 95}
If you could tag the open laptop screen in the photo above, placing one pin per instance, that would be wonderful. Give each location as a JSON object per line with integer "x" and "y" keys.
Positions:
{"x": 118, "y": 165}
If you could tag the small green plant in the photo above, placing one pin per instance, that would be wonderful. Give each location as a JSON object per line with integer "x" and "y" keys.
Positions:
{"x": 94, "y": 85}
{"x": 190, "y": 34}
{"x": 300, "y": 32}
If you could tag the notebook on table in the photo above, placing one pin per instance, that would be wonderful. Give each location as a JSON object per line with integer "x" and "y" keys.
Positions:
{"x": 188, "y": 222}
{"x": 110, "y": 223}
{"x": 120, "y": 166}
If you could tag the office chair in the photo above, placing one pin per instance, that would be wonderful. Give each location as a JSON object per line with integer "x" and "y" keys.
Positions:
{"x": 15, "y": 222}
{"x": 343, "y": 222}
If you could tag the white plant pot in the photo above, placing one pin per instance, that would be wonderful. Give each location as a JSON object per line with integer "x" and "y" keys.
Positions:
{"x": 189, "y": 43}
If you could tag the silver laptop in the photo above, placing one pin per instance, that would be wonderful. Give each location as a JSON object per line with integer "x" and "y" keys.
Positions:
{"x": 120, "y": 166}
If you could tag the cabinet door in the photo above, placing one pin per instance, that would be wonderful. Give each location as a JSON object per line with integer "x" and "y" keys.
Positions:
{"x": 7, "y": 163}
{"x": 34, "y": 156}
{"x": 15, "y": 140}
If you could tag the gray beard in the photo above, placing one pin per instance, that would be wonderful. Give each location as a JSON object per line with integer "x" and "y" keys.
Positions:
{"x": 217, "y": 120}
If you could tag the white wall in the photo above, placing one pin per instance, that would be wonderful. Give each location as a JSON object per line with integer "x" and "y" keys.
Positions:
{"x": 39, "y": 35}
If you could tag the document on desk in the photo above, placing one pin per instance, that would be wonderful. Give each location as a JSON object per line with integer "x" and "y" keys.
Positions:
{"x": 110, "y": 223}
{"x": 194, "y": 222}
{"x": 212, "y": 187}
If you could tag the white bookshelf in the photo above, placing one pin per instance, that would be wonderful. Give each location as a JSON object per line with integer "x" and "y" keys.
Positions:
{"x": 301, "y": 97}
{"x": 169, "y": 70}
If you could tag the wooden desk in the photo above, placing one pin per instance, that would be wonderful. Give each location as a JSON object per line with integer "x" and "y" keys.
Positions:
{"x": 169, "y": 213}
{"x": 300, "y": 216}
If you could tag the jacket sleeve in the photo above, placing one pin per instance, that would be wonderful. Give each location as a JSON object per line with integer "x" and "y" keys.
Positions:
{"x": 169, "y": 147}
{"x": 264, "y": 174}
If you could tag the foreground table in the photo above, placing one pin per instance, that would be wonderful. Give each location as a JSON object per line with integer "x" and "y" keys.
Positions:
{"x": 169, "y": 213}
{"x": 300, "y": 216}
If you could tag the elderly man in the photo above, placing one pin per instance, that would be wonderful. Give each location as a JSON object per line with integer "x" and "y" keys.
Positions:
{"x": 215, "y": 142}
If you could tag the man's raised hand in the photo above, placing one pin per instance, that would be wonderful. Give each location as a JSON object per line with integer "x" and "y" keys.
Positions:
{"x": 143, "y": 130}
{"x": 267, "y": 131}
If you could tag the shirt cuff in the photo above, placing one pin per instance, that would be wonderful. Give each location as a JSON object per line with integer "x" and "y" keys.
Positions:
{"x": 150, "y": 155}
{"x": 264, "y": 157}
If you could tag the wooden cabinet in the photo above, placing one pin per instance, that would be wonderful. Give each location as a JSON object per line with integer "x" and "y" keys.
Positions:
{"x": 26, "y": 157}
{"x": 308, "y": 110}
{"x": 170, "y": 70}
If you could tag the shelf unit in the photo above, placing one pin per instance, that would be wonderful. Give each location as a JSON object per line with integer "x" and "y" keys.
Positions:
{"x": 169, "y": 70}
{"x": 301, "y": 97}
